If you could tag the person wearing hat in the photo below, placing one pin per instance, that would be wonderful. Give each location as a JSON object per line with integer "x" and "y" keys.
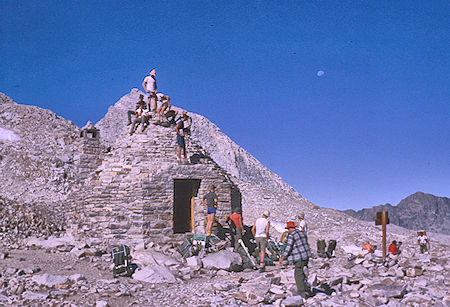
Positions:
{"x": 187, "y": 124}
{"x": 140, "y": 103}
{"x": 260, "y": 231}
{"x": 422, "y": 240}
{"x": 149, "y": 84}
{"x": 298, "y": 252}
{"x": 165, "y": 104}
{"x": 210, "y": 200}
{"x": 302, "y": 224}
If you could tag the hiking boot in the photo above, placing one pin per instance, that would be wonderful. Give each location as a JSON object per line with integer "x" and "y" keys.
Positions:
{"x": 262, "y": 268}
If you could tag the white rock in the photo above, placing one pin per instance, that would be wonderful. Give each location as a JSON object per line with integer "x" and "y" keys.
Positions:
{"x": 150, "y": 257}
{"x": 77, "y": 277}
{"x": 101, "y": 304}
{"x": 293, "y": 301}
{"x": 50, "y": 280}
{"x": 222, "y": 260}
{"x": 194, "y": 261}
{"x": 29, "y": 295}
{"x": 155, "y": 274}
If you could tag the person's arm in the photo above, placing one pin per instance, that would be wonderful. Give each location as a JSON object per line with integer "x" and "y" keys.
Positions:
{"x": 267, "y": 230}
{"x": 302, "y": 226}
{"x": 241, "y": 225}
{"x": 288, "y": 249}
{"x": 254, "y": 229}
{"x": 177, "y": 129}
{"x": 168, "y": 102}
{"x": 203, "y": 198}
{"x": 144, "y": 84}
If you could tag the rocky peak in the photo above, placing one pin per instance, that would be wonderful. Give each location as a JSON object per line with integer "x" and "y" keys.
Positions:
{"x": 417, "y": 211}
{"x": 36, "y": 156}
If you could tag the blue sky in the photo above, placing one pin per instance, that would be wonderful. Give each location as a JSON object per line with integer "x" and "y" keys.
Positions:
{"x": 374, "y": 128}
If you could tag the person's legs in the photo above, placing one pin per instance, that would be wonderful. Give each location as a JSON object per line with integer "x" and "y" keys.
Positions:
{"x": 422, "y": 248}
{"x": 133, "y": 126}
{"x": 210, "y": 223}
{"x": 143, "y": 122}
{"x": 180, "y": 142}
{"x": 184, "y": 149}
{"x": 237, "y": 237}
{"x": 300, "y": 276}
{"x": 155, "y": 104}
{"x": 162, "y": 109}
{"x": 130, "y": 113}
{"x": 179, "y": 153}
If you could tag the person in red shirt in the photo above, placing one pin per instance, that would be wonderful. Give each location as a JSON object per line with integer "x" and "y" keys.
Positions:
{"x": 368, "y": 247}
{"x": 393, "y": 248}
{"x": 236, "y": 219}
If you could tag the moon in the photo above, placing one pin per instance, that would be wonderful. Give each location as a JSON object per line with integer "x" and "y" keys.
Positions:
{"x": 320, "y": 73}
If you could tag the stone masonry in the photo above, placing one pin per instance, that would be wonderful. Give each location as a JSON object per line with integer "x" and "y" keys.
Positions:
{"x": 130, "y": 196}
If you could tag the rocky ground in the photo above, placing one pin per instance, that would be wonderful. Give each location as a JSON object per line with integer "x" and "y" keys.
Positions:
{"x": 64, "y": 272}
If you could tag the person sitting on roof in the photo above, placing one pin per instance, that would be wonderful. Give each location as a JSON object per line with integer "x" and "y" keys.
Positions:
{"x": 142, "y": 117}
{"x": 165, "y": 104}
{"x": 141, "y": 102}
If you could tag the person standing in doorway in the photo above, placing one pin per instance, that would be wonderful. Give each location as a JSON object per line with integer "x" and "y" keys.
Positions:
{"x": 260, "y": 231}
{"x": 149, "y": 84}
{"x": 298, "y": 252}
{"x": 210, "y": 200}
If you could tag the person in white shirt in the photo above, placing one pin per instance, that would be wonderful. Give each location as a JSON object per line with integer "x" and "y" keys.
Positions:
{"x": 302, "y": 224}
{"x": 423, "y": 241}
{"x": 149, "y": 84}
{"x": 260, "y": 231}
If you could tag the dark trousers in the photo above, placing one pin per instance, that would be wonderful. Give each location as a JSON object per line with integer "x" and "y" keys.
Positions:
{"x": 300, "y": 275}
{"x": 130, "y": 113}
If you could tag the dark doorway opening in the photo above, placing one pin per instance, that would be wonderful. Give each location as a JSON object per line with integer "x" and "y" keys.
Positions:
{"x": 184, "y": 192}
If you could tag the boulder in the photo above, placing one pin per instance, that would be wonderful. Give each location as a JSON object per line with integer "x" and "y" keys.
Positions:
{"x": 293, "y": 301}
{"x": 223, "y": 260}
{"x": 155, "y": 274}
{"x": 29, "y": 295}
{"x": 50, "y": 280}
{"x": 387, "y": 290}
{"x": 194, "y": 261}
{"x": 150, "y": 257}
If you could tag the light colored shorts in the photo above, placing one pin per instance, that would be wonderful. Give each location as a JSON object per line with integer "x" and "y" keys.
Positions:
{"x": 261, "y": 244}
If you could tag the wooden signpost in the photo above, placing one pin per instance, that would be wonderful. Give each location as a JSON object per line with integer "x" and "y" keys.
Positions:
{"x": 382, "y": 219}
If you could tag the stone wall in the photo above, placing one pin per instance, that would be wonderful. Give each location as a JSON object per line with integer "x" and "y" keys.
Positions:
{"x": 130, "y": 196}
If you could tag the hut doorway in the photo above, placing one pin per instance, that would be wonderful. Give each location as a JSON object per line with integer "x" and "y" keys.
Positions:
{"x": 184, "y": 191}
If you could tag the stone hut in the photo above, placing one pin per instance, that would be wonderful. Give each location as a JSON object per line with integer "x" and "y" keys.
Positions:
{"x": 140, "y": 192}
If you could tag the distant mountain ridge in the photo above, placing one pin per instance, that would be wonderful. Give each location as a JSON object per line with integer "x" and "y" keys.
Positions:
{"x": 417, "y": 211}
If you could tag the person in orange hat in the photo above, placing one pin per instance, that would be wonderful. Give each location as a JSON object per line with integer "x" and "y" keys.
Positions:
{"x": 149, "y": 84}
{"x": 298, "y": 252}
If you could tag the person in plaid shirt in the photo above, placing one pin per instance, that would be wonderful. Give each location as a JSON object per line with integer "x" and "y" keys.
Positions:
{"x": 298, "y": 252}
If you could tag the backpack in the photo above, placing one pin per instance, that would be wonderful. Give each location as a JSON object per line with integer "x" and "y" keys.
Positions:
{"x": 121, "y": 259}
{"x": 321, "y": 245}
{"x": 331, "y": 248}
